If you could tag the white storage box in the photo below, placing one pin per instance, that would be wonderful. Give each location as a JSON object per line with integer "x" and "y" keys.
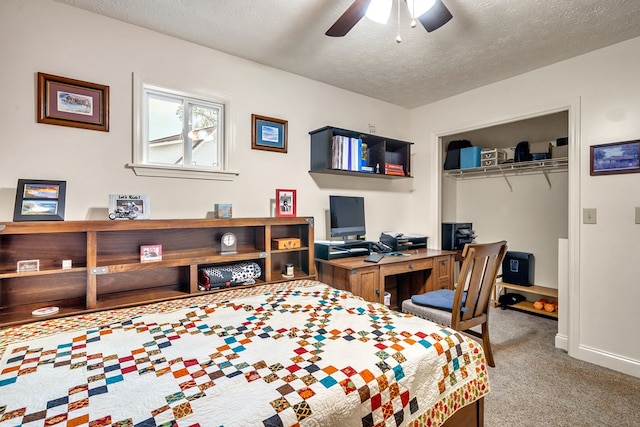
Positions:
{"x": 495, "y": 155}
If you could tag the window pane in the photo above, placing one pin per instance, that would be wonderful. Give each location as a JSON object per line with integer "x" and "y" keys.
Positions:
{"x": 205, "y": 136}
{"x": 165, "y": 130}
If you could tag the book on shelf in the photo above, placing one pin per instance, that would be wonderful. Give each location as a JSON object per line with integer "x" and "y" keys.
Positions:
{"x": 393, "y": 166}
{"x": 347, "y": 153}
{"x": 393, "y": 172}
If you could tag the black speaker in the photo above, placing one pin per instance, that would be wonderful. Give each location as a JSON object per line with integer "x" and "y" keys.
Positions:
{"x": 518, "y": 268}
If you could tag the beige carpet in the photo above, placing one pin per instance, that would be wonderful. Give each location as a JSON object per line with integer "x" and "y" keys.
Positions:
{"x": 536, "y": 384}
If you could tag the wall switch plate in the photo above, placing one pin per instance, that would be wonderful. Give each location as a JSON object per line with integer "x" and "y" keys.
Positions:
{"x": 637, "y": 215}
{"x": 589, "y": 216}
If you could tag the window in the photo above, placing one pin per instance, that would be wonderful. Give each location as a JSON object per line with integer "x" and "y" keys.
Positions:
{"x": 180, "y": 133}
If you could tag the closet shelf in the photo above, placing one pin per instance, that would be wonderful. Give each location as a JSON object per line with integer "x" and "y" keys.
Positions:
{"x": 511, "y": 169}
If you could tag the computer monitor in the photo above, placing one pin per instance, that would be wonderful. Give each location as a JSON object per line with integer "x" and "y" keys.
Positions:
{"x": 347, "y": 216}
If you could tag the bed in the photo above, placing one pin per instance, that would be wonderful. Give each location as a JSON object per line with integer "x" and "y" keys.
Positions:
{"x": 297, "y": 353}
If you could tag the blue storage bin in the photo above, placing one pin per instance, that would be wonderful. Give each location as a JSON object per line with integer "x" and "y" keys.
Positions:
{"x": 470, "y": 157}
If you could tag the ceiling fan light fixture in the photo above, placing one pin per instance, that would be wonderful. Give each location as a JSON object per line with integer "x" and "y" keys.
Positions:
{"x": 379, "y": 10}
{"x": 419, "y": 7}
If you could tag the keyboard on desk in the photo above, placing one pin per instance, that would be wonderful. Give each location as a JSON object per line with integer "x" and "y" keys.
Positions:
{"x": 374, "y": 257}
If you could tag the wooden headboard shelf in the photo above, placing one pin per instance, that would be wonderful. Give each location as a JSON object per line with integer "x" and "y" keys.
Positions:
{"x": 106, "y": 271}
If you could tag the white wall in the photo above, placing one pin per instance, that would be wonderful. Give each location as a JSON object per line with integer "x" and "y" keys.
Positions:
{"x": 606, "y": 87}
{"x": 530, "y": 218}
{"x": 46, "y": 36}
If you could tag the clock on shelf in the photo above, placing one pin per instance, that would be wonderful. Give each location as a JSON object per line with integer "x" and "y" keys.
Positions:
{"x": 228, "y": 243}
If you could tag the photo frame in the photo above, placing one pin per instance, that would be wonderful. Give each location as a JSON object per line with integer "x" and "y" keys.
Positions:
{"x": 615, "y": 158}
{"x": 129, "y": 206}
{"x": 286, "y": 201}
{"x": 40, "y": 200}
{"x": 268, "y": 134}
{"x": 68, "y": 102}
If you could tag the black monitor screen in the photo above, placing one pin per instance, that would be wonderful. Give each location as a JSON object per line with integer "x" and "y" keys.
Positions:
{"x": 347, "y": 216}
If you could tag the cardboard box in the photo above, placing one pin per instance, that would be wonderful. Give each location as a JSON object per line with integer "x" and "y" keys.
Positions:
{"x": 540, "y": 147}
{"x": 470, "y": 157}
{"x": 286, "y": 243}
{"x": 559, "y": 152}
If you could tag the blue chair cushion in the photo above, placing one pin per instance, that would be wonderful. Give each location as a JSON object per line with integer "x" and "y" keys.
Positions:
{"x": 442, "y": 299}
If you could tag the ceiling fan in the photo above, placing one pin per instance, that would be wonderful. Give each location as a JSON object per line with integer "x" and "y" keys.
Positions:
{"x": 435, "y": 16}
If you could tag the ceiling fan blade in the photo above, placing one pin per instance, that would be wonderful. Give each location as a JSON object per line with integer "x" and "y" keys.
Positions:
{"x": 349, "y": 18}
{"x": 435, "y": 17}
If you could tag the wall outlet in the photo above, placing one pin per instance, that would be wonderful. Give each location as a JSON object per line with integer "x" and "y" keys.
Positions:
{"x": 589, "y": 216}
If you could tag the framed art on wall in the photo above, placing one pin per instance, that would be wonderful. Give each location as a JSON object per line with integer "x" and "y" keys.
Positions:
{"x": 286, "y": 202}
{"x": 615, "y": 158}
{"x": 40, "y": 200}
{"x": 68, "y": 102}
{"x": 268, "y": 134}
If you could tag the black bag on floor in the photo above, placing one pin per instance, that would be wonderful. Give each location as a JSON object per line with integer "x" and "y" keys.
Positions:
{"x": 452, "y": 160}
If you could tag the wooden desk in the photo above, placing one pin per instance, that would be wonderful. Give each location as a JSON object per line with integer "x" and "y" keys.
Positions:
{"x": 401, "y": 276}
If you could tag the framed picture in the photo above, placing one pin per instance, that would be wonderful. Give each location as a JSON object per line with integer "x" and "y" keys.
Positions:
{"x": 28, "y": 265}
{"x": 615, "y": 158}
{"x": 268, "y": 134}
{"x": 68, "y": 102}
{"x": 129, "y": 206}
{"x": 150, "y": 253}
{"x": 286, "y": 202}
{"x": 40, "y": 200}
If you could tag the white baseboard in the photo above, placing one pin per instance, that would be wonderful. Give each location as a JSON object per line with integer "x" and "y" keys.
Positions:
{"x": 608, "y": 360}
{"x": 562, "y": 342}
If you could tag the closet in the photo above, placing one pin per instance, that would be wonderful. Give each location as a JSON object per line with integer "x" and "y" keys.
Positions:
{"x": 527, "y": 207}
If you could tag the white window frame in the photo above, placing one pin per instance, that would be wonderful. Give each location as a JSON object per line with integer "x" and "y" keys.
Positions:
{"x": 140, "y": 165}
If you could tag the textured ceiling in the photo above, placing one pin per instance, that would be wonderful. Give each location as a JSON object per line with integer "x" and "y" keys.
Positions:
{"x": 486, "y": 41}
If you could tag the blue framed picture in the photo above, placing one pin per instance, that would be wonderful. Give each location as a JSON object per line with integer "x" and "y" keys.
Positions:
{"x": 268, "y": 134}
{"x": 616, "y": 157}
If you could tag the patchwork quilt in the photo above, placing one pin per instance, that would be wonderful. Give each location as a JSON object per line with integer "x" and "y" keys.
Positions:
{"x": 303, "y": 354}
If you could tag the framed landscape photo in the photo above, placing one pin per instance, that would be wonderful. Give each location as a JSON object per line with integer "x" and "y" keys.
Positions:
{"x": 268, "y": 134}
{"x": 68, "y": 102}
{"x": 615, "y": 158}
{"x": 129, "y": 206}
{"x": 286, "y": 202}
{"x": 40, "y": 200}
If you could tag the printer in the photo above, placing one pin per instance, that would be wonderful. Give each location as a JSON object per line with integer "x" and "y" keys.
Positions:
{"x": 457, "y": 234}
{"x": 403, "y": 242}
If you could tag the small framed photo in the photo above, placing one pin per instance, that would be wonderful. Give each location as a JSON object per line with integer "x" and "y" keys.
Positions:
{"x": 268, "y": 134}
{"x": 223, "y": 210}
{"x": 615, "y": 158}
{"x": 286, "y": 202}
{"x": 68, "y": 102}
{"x": 129, "y": 206}
{"x": 40, "y": 200}
{"x": 150, "y": 253}
{"x": 28, "y": 265}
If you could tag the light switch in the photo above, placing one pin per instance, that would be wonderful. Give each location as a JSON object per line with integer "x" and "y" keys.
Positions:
{"x": 637, "y": 215}
{"x": 589, "y": 216}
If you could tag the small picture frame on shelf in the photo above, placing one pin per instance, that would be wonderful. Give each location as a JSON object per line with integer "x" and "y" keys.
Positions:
{"x": 129, "y": 206}
{"x": 615, "y": 158}
{"x": 268, "y": 134}
{"x": 223, "y": 210}
{"x": 28, "y": 265}
{"x": 286, "y": 202}
{"x": 40, "y": 200}
{"x": 150, "y": 253}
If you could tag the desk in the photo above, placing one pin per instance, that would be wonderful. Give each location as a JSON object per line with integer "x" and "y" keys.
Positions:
{"x": 402, "y": 276}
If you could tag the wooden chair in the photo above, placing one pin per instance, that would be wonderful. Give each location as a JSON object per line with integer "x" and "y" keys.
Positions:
{"x": 467, "y": 305}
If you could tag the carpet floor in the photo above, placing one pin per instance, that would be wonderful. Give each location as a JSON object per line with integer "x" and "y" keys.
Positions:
{"x": 536, "y": 384}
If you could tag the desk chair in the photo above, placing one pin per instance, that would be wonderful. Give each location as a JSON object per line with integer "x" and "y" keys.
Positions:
{"x": 467, "y": 305}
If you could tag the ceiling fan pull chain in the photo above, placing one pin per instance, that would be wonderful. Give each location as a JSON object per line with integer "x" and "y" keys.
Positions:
{"x": 398, "y": 38}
